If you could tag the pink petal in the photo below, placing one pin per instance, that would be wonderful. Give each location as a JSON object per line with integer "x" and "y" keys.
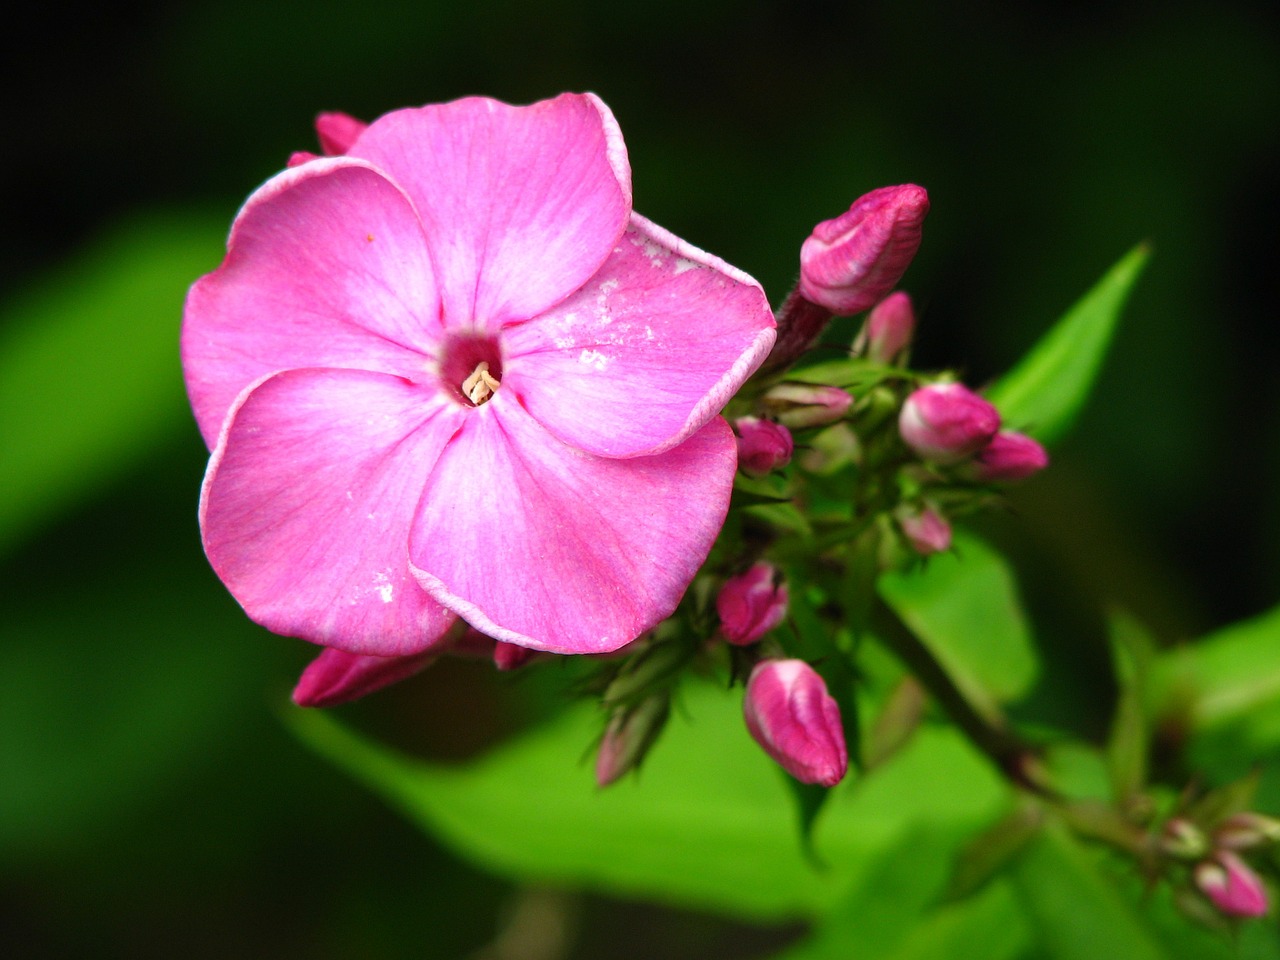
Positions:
{"x": 539, "y": 544}
{"x": 307, "y": 504}
{"x": 521, "y": 204}
{"x": 326, "y": 266}
{"x": 337, "y": 677}
{"x": 646, "y": 353}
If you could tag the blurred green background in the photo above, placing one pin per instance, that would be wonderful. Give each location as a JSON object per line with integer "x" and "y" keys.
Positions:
{"x": 152, "y": 803}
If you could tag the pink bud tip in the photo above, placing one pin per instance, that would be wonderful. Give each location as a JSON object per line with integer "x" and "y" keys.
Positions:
{"x": 851, "y": 262}
{"x": 751, "y": 604}
{"x": 807, "y": 405}
{"x": 763, "y": 446}
{"x": 947, "y": 422}
{"x": 510, "y": 656}
{"x": 890, "y": 326}
{"x": 1009, "y": 457}
{"x": 926, "y": 530}
{"x": 299, "y": 157}
{"x": 337, "y": 132}
{"x": 791, "y": 715}
{"x": 1232, "y": 886}
{"x": 337, "y": 677}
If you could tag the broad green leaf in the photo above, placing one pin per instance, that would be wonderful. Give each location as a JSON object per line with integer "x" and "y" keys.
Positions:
{"x": 1226, "y": 686}
{"x": 1078, "y": 912}
{"x": 964, "y": 607}
{"x": 1043, "y": 394}
{"x": 708, "y": 823}
{"x": 892, "y": 913}
{"x": 89, "y": 372}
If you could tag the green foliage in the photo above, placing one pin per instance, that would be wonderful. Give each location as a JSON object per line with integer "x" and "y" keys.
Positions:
{"x": 708, "y": 823}
{"x": 964, "y": 607}
{"x": 89, "y": 375}
{"x": 1045, "y": 392}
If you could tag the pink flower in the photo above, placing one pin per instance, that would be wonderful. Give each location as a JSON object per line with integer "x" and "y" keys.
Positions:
{"x": 926, "y": 530}
{"x": 763, "y": 446}
{"x": 751, "y": 604}
{"x": 947, "y": 422}
{"x": 1009, "y": 457}
{"x": 791, "y": 715}
{"x": 1232, "y": 886}
{"x": 889, "y": 329}
{"x": 853, "y": 261}
{"x": 452, "y": 374}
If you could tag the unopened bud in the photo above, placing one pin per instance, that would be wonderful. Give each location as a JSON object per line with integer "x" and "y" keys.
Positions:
{"x": 763, "y": 446}
{"x": 646, "y": 671}
{"x": 1182, "y": 839}
{"x": 947, "y": 422}
{"x": 337, "y": 132}
{"x": 1009, "y": 457}
{"x": 850, "y": 263}
{"x": 629, "y": 735}
{"x": 510, "y": 656}
{"x": 337, "y": 677}
{"x": 1231, "y": 885}
{"x": 1243, "y": 831}
{"x": 751, "y": 604}
{"x": 889, "y": 329}
{"x": 790, "y": 714}
{"x": 806, "y": 405}
{"x": 925, "y": 529}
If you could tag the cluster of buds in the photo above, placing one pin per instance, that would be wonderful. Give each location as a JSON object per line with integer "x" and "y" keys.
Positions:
{"x": 1219, "y": 870}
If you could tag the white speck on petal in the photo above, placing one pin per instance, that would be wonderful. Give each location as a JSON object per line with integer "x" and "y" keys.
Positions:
{"x": 593, "y": 358}
{"x": 683, "y": 265}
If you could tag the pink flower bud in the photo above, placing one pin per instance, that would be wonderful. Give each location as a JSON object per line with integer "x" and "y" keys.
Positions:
{"x": 1007, "y": 458}
{"x": 509, "y": 656}
{"x": 889, "y": 328}
{"x": 851, "y": 262}
{"x": 806, "y": 405}
{"x": 946, "y": 422}
{"x": 926, "y": 530}
{"x": 791, "y": 715}
{"x": 763, "y": 446}
{"x": 299, "y": 157}
{"x": 1232, "y": 886}
{"x": 337, "y": 677}
{"x": 337, "y": 132}
{"x": 751, "y": 604}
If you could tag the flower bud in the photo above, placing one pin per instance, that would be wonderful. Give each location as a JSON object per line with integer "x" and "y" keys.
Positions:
{"x": 763, "y": 446}
{"x": 889, "y": 329}
{"x": 510, "y": 656}
{"x": 751, "y": 604}
{"x": 1231, "y": 885}
{"x": 1182, "y": 839}
{"x": 791, "y": 715}
{"x": 925, "y": 529}
{"x": 337, "y": 132}
{"x": 337, "y": 677}
{"x": 1009, "y": 457}
{"x": 630, "y": 734}
{"x": 806, "y": 405}
{"x": 851, "y": 262}
{"x": 1243, "y": 831}
{"x": 947, "y": 422}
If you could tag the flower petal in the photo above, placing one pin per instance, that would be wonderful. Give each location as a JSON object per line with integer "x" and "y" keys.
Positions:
{"x": 539, "y": 544}
{"x": 646, "y": 353}
{"x": 326, "y": 266}
{"x": 307, "y": 503}
{"x": 521, "y": 204}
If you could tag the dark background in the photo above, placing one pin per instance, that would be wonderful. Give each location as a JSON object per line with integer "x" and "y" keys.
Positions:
{"x": 153, "y": 804}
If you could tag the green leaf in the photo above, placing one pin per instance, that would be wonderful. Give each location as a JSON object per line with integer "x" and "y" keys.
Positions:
{"x": 1132, "y": 651}
{"x": 1079, "y": 913}
{"x": 89, "y": 372}
{"x": 964, "y": 607}
{"x": 1045, "y": 392}
{"x": 1226, "y": 688}
{"x": 708, "y": 823}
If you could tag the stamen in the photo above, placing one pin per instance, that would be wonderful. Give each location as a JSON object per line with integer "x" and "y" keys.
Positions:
{"x": 481, "y": 385}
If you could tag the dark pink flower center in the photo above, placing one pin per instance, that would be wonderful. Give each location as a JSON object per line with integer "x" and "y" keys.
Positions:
{"x": 471, "y": 368}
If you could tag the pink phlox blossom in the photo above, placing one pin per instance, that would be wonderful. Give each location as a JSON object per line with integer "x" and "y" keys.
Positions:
{"x": 451, "y": 373}
{"x": 751, "y": 604}
{"x": 791, "y": 715}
